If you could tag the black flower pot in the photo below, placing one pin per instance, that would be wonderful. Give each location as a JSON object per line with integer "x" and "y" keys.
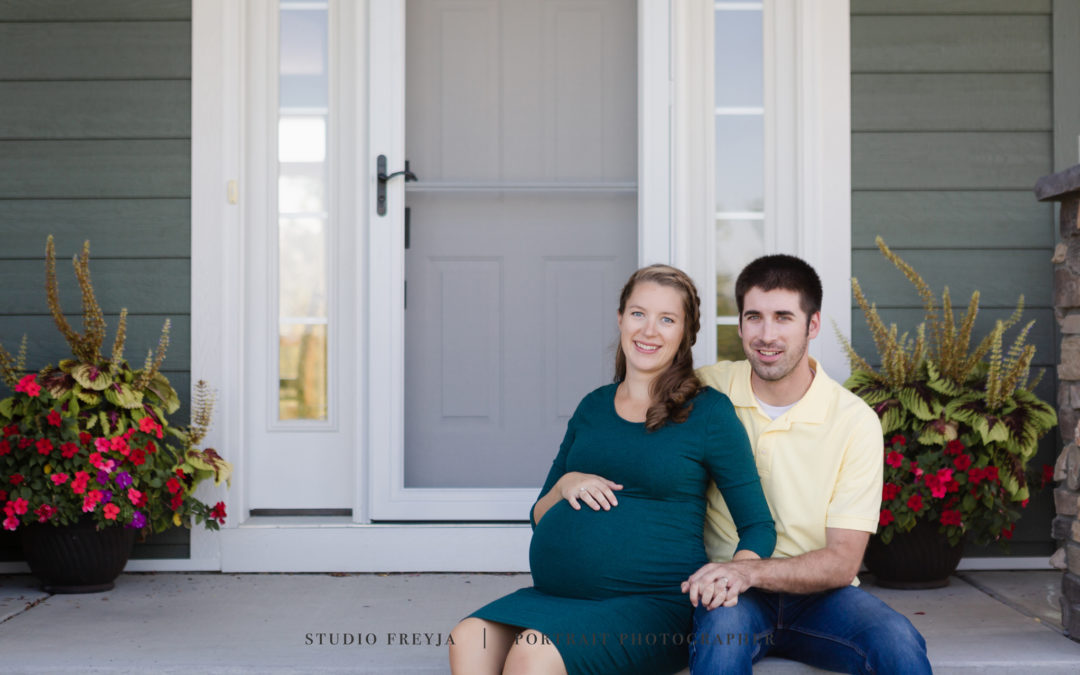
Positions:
{"x": 76, "y": 558}
{"x": 921, "y": 558}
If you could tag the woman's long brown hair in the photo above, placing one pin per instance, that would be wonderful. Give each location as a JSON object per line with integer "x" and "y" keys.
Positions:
{"x": 672, "y": 389}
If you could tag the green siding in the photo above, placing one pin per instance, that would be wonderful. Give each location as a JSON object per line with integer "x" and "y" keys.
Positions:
{"x": 95, "y": 129}
{"x": 79, "y": 110}
{"x": 952, "y": 123}
{"x": 950, "y": 44}
{"x": 94, "y": 169}
{"x": 962, "y": 102}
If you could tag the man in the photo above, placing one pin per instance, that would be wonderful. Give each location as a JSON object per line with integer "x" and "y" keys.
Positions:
{"x": 819, "y": 452}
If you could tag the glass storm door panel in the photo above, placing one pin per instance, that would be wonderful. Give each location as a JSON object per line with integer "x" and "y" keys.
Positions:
{"x": 521, "y": 125}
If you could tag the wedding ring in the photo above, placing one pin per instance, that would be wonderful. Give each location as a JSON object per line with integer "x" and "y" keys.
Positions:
{"x": 724, "y": 580}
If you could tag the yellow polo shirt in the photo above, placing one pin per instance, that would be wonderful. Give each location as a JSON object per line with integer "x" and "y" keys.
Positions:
{"x": 820, "y": 463}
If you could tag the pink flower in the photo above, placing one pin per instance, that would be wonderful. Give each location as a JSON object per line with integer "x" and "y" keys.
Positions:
{"x": 91, "y": 500}
{"x": 10, "y": 523}
{"x": 136, "y": 497}
{"x": 58, "y": 478}
{"x": 19, "y": 506}
{"x": 78, "y": 486}
{"x": 894, "y": 459}
{"x": 29, "y": 386}
{"x": 102, "y": 444}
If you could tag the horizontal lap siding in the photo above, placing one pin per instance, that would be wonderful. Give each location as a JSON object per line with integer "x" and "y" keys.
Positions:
{"x": 95, "y": 143}
{"x": 952, "y": 125}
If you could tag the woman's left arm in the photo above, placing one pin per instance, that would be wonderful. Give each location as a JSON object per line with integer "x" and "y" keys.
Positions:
{"x": 730, "y": 461}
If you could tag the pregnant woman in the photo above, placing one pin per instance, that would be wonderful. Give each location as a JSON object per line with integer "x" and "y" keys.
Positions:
{"x": 618, "y": 525}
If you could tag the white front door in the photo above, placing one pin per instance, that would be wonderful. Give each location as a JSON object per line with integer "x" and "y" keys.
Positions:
{"x": 499, "y": 269}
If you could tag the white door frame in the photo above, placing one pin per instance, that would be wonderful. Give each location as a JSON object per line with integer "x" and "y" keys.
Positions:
{"x": 671, "y": 226}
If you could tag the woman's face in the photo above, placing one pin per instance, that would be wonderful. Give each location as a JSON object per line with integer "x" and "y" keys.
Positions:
{"x": 651, "y": 328}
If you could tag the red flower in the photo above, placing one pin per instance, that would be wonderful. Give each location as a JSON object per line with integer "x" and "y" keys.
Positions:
{"x": 1007, "y": 532}
{"x": 85, "y": 437}
{"x": 990, "y": 473}
{"x": 952, "y": 486}
{"x": 18, "y": 506}
{"x": 111, "y": 511}
{"x": 78, "y": 485}
{"x": 44, "y": 513}
{"x": 1047, "y": 474}
{"x": 25, "y": 442}
{"x": 176, "y": 502}
{"x": 138, "y": 456}
{"x": 44, "y": 446}
{"x": 218, "y": 512}
{"x": 173, "y": 485}
{"x": 69, "y": 450}
{"x": 962, "y": 462}
{"x": 11, "y": 430}
{"x": 16, "y": 478}
{"x": 950, "y": 517}
{"x": 54, "y": 418}
{"x": 954, "y": 447}
{"x": 148, "y": 425}
{"x": 976, "y": 476}
{"x": 3, "y": 495}
{"x": 886, "y": 517}
{"x": 889, "y": 491}
{"x": 58, "y": 478}
{"x": 914, "y": 503}
{"x": 897, "y": 439}
{"x": 5, "y": 447}
{"x": 894, "y": 459}
{"x": 1024, "y": 503}
{"x": 29, "y": 386}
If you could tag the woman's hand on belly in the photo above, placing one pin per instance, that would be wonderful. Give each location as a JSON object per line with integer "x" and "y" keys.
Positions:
{"x": 594, "y": 491}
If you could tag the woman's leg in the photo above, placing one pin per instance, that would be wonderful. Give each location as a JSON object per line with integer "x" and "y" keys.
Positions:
{"x": 533, "y": 654}
{"x": 480, "y": 646}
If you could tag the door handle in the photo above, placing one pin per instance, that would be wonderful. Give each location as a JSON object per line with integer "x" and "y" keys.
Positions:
{"x": 383, "y": 177}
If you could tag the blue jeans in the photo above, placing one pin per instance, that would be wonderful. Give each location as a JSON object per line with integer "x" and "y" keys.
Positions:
{"x": 845, "y": 630}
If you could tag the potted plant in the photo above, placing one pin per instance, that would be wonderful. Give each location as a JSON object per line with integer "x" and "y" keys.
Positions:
{"x": 961, "y": 426}
{"x": 88, "y": 456}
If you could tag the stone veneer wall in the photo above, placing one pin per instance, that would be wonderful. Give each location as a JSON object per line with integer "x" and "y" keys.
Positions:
{"x": 1064, "y": 187}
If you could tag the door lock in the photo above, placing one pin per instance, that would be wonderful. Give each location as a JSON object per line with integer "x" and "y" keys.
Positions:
{"x": 382, "y": 177}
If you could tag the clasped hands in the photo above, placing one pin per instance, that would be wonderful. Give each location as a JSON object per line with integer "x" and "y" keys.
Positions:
{"x": 595, "y": 491}
{"x": 717, "y": 584}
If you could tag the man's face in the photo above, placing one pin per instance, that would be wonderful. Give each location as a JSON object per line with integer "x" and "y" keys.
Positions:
{"x": 774, "y": 332}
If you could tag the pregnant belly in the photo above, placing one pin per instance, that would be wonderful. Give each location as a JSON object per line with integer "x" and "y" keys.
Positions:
{"x": 639, "y": 546}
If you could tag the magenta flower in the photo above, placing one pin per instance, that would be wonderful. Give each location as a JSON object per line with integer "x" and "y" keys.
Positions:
{"x": 123, "y": 479}
{"x": 138, "y": 521}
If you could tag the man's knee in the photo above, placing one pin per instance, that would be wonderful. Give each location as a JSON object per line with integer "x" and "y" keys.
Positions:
{"x": 728, "y": 639}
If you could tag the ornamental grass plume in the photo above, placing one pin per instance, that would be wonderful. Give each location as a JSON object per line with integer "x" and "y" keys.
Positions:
{"x": 935, "y": 397}
{"x": 90, "y": 437}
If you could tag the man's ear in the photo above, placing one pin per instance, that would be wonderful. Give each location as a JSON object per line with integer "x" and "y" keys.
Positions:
{"x": 815, "y": 325}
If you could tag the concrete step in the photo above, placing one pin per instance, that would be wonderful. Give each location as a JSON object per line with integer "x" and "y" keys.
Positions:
{"x": 398, "y": 623}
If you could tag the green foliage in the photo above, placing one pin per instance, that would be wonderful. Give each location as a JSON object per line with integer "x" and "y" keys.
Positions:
{"x": 933, "y": 394}
{"x": 102, "y": 428}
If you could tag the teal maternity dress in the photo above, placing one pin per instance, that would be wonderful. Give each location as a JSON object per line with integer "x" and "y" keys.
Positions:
{"x": 607, "y": 583}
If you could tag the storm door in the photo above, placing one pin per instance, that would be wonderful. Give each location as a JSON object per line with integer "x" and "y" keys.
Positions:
{"x": 499, "y": 266}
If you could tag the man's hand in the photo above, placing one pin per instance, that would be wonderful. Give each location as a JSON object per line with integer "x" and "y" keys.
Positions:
{"x": 717, "y": 584}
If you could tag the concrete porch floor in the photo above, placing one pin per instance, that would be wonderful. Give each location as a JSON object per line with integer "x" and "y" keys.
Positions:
{"x": 983, "y": 622}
